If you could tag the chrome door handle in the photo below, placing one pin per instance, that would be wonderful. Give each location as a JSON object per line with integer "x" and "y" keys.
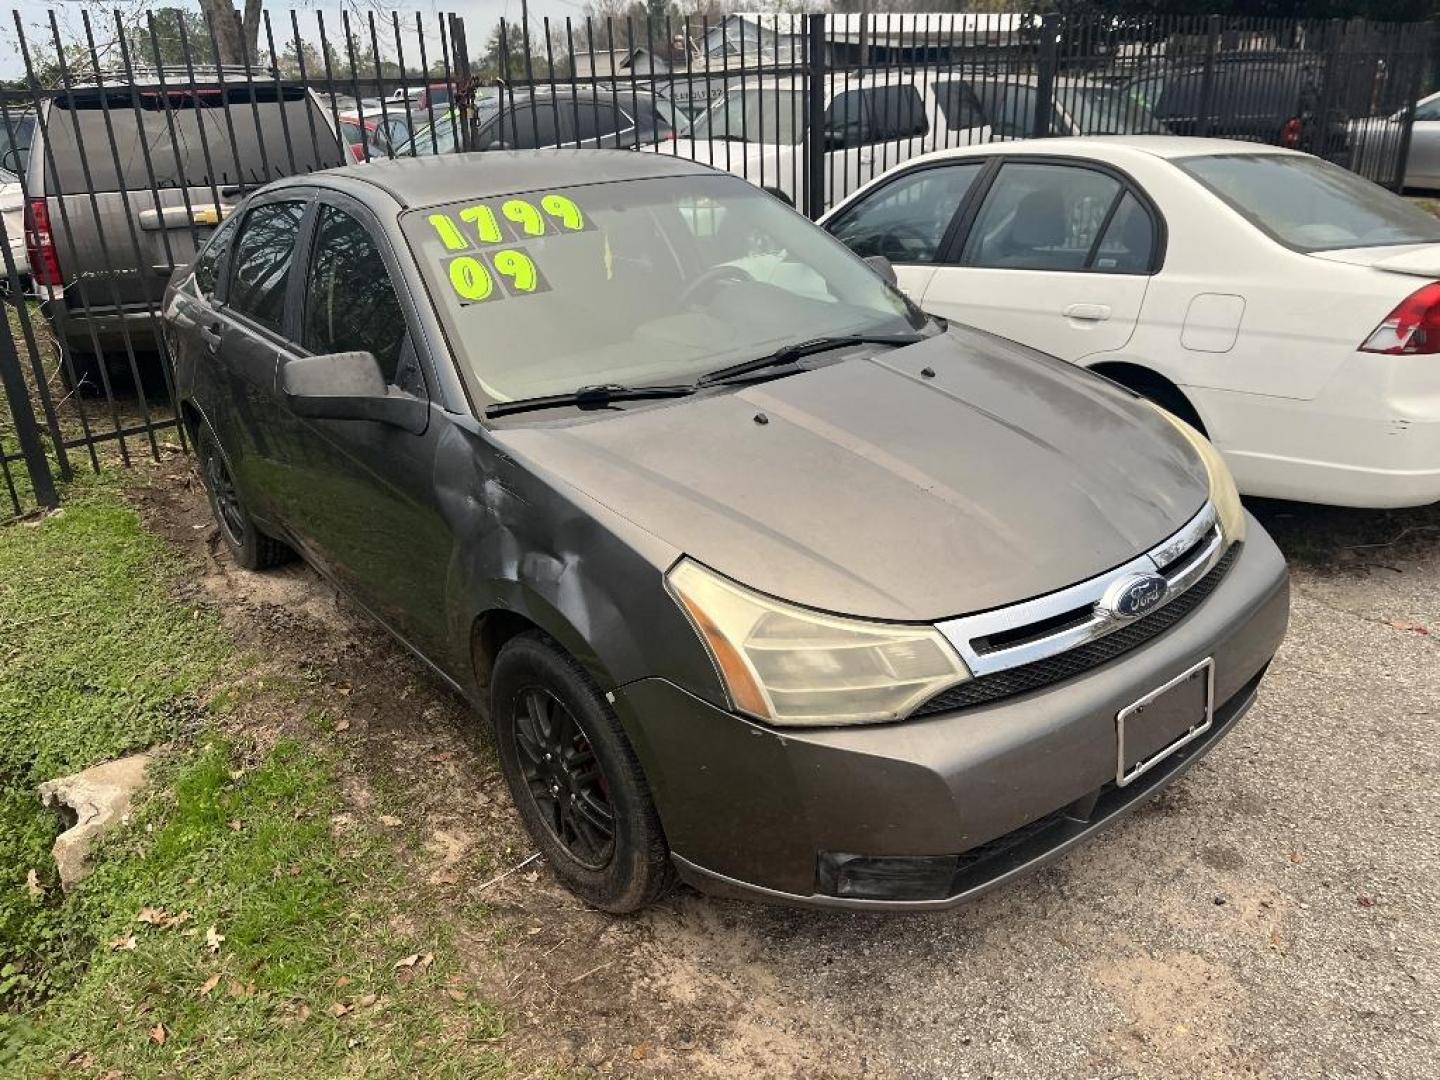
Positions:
{"x": 1088, "y": 312}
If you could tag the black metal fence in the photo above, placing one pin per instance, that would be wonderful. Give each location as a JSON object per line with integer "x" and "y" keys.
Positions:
{"x": 123, "y": 144}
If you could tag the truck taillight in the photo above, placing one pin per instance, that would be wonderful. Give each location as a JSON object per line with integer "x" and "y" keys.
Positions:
{"x": 1413, "y": 328}
{"x": 1290, "y": 133}
{"x": 40, "y": 244}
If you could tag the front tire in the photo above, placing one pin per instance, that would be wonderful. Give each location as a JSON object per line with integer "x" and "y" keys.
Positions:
{"x": 248, "y": 546}
{"x": 575, "y": 779}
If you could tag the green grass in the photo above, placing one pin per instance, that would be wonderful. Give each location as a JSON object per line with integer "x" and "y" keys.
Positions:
{"x": 97, "y": 660}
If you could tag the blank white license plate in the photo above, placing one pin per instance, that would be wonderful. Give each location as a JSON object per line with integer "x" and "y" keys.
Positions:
{"x": 1163, "y": 721}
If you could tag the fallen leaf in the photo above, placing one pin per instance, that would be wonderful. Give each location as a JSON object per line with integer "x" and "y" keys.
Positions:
{"x": 426, "y": 961}
{"x": 213, "y": 938}
{"x": 390, "y": 821}
{"x": 237, "y": 989}
{"x": 445, "y": 877}
{"x": 343, "y": 980}
{"x": 366, "y": 1001}
{"x": 151, "y": 916}
{"x": 343, "y": 691}
{"x": 339, "y": 1009}
{"x": 157, "y": 1034}
{"x": 33, "y": 886}
{"x": 534, "y": 930}
{"x": 342, "y": 725}
{"x": 235, "y": 825}
{"x": 407, "y": 961}
{"x": 81, "y": 1059}
{"x": 295, "y": 870}
{"x": 1275, "y": 937}
{"x": 208, "y": 985}
{"x": 124, "y": 943}
{"x": 444, "y": 755}
{"x": 641, "y": 1052}
{"x": 303, "y": 1012}
{"x": 454, "y": 994}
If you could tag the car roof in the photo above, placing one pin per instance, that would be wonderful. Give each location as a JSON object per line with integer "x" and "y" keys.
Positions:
{"x": 1117, "y": 147}
{"x": 430, "y": 180}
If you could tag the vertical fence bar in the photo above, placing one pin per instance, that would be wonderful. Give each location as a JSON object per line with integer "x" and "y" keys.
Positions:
{"x": 1048, "y": 59}
{"x": 26, "y": 430}
{"x": 815, "y": 115}
{"x": 1207, "y": 78}
{"x": 1407, "y": 122}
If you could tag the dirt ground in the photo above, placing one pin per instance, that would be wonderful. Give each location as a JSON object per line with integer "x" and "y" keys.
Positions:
{"x": 1274, "y": 914}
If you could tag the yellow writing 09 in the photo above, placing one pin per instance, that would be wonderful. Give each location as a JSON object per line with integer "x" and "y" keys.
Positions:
{"x": 449, "y": 235}
{"x": 563, "y": 210}
{"x": 470, "y": 278}
{"x": 525, "y": 215}
{"x": 518, "y": 267}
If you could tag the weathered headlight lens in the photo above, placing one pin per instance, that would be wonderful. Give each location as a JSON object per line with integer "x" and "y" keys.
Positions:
{"x": 1223, "y": 492}
{"x": 788, "y": 665}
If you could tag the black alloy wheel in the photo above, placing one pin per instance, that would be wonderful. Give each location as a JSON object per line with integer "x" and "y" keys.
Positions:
{"x": 564, "y": 778}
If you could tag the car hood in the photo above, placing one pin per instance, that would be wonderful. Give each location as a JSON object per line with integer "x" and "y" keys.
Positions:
{"x": 865, "y": 488}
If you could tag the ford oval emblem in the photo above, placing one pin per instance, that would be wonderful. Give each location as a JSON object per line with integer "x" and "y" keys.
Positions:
{"x": 1133, "y": 596}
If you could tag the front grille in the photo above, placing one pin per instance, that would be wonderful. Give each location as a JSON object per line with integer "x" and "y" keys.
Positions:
{"x": 1053, "y": 669}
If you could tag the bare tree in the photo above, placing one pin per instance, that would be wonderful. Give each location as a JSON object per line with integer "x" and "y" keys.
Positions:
{"x": 237, "y": 36}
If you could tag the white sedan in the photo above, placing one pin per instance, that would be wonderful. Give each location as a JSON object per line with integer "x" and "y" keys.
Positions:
{"x": 1288, "y": 308}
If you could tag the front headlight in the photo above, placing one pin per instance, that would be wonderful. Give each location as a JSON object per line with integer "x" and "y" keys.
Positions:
{"x": 791, "y": 666}
{"x": 1223, "y": 492}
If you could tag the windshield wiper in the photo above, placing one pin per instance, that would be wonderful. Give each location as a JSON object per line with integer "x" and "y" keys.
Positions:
{"x": 792, "y": 353}
{"x": 588, "y": 397}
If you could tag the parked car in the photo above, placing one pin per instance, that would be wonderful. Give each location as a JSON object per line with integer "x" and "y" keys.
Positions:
{"x": 374, "y": 135}
{"x": 1377, "y": 138}
{"x": 759, "y": 573}
{"x": 1274, "y": 98}
{"x": 871, "y": 122}
{"x": 1273, "y": 300}
{"x": 879, "y": 120}
{"x": 12, "y": 213}
{"x": 104, "y": 274}
{"x": 565, "y": 116}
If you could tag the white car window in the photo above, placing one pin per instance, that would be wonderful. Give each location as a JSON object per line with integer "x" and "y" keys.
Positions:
{"x": 1040, "y": 217}
{"x": 906, "y": 220}
{"x": 1309, "y": 204}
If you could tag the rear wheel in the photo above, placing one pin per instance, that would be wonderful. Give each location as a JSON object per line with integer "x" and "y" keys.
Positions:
{"x": 575, "y": 779}
{"x": 249, "y": 547}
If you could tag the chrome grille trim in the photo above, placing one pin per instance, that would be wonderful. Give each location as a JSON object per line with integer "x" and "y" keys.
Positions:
{"x": 1202, "y": 532}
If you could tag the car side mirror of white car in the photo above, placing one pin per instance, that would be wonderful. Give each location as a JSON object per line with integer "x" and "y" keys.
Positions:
{"x": 348, "y": 386}
{"x": 882, "y": 266}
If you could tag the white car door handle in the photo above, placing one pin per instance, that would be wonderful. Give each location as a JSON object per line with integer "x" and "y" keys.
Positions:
{"x": 1088, "y": 312}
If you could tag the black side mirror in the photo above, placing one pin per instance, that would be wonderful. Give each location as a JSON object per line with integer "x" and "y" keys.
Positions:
{"x": 881, "y": 265}
{"x": 349, "y": 386}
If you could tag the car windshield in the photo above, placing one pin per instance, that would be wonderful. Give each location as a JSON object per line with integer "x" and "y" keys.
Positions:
{"x": 643, "y": 282}
{"x": 763, "y": 115}
{"x": 1107, "y": 110}
{"x": 1310, "y": 204}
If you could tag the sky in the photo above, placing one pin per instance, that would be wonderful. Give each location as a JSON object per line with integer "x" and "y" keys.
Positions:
{"x": 480, "y": 17}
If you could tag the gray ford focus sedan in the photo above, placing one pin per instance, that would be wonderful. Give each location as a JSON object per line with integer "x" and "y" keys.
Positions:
{"x": 763, "y": 577}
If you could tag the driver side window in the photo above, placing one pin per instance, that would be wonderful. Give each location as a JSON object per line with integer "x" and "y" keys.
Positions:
{"x": 905, "y": 221}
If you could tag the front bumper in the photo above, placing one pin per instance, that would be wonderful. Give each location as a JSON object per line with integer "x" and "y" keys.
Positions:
{"x": 749, "y": 810}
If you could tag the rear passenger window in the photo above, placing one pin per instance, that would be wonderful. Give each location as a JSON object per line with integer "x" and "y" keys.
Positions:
{"x": 1129, "y": 240}
{"x": 1040, "y": 217}
{"x": 208, "y": 262}
{"x": 897, "y": 112}
{"x": 263, "y": 255}
{"x": 350, "y": 304}
{"x": 958, "y": 104}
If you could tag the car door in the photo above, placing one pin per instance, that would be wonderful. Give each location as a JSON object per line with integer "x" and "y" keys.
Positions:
{"x": 907, "y": 218}
{"x": 1057, "y": 255}
{"x": 247, "y": 338}
{"x": 363, "y": 494}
